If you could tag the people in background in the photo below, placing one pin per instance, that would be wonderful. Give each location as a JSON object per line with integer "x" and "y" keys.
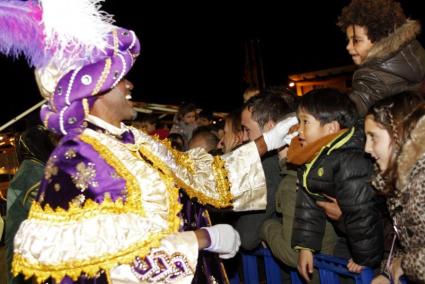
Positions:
{"x": 205, "y": 118}
{"x": 233, "y": 132}
{"x": 203, "y": 138}
{"x": 185, "y": 122}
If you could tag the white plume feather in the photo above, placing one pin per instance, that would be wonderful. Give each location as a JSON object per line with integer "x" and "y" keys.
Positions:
{"x": 75, "y": 28}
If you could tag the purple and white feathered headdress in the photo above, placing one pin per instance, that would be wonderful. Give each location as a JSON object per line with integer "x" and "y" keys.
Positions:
{"x": 54, "y": 31}
{"x": 76, "y": 50}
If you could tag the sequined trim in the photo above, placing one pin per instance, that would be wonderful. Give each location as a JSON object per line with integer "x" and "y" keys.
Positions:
{"x": 51, "y": 168}
{"x": 222, "y": 180}
{"x": 181, "y": 158}
{"x": 85, "y": 176}
{"x": 76, "y": 213}
{"x": 57, "y": 187}
{"x": 86, "y": 107}
{"x": 103, "y": 76}
{"x": 161, "y": 267}
{"x": 115, "y": 41}
{"x": 70, "y": 154}
{"x": 225, "y": 197}
{"x": 134, "y": 190}
{"x": 78, "y": 200}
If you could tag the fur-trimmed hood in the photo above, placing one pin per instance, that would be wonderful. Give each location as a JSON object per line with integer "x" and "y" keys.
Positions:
{"x": 412, "y": 150}
{"x": 392, "y": 43}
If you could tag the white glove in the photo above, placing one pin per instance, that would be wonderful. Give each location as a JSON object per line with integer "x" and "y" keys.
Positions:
{"x": 278, "y": 135}
{"x": 224, "y": 240}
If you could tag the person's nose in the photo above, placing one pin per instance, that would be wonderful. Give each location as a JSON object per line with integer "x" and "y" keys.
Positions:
{"x": 349, "y": 46}
{"x": 368, "y": 146}
{"x": 300, "y": 130}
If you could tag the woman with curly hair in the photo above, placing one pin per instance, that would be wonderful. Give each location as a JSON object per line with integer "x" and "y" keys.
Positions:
{"x": 382, "y": 42}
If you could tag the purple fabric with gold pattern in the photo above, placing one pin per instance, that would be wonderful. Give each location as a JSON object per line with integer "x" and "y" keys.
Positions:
{"x": 78, "y": 172}
{"x": 68, "y": 106}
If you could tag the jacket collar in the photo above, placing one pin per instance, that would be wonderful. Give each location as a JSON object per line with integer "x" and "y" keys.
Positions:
{"x": 299, "y": 155}
{"x": 393, "y": 42}
{"x": 412, "y": 151}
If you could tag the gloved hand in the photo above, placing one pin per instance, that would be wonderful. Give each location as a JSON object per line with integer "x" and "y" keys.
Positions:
{"x": 278, "y": 135}
{"x": 224, "y": 240}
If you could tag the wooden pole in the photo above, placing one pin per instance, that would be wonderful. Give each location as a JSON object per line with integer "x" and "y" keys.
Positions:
{"x": 15, "y": 119}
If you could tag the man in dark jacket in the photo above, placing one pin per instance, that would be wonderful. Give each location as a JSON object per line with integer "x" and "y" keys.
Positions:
{"x": 330, "y": 148}
{"x": 382, "y": 42}
{"x": 259, "y": 114}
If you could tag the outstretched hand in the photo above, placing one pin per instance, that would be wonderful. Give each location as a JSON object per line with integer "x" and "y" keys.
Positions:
{"x": 278, "y": 136}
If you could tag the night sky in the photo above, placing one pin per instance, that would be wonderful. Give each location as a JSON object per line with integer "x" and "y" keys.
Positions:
{"x": 193, "y": 52}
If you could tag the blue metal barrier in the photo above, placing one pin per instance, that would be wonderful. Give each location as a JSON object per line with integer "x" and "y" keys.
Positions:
{"x": 329, "y": 267}
{"x": 250, "y": 268}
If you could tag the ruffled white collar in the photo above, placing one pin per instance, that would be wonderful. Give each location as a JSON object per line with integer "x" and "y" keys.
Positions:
{"x": 107, "y": 126}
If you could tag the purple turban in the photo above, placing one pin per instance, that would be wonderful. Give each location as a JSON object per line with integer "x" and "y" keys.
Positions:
{"x": 77, "y": 89}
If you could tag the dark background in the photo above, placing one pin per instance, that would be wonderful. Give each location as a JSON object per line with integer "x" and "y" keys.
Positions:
{"x": 194, "y": 51}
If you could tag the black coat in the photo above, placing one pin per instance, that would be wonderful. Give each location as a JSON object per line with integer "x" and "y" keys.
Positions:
{"x": 393, "y": 65}
{"x": 342, "y": 171}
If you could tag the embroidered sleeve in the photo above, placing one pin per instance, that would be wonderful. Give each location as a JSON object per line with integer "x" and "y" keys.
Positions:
{"x": 236, "y": 179}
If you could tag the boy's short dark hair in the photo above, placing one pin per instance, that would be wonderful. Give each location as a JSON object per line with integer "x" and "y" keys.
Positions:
{"x": 327, "y": 105}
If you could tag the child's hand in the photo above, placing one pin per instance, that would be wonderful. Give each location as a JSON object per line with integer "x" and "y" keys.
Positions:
{"x": 353, "y": 267}
{"x": 331, "y": 208}
{"x": 380, "y": 280}
{"x": 396, "y": 270}
{"x": 305, "y": 264}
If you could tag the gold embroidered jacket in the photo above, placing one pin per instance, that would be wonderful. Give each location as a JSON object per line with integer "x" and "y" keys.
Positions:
{"x": 109, "y": 205}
